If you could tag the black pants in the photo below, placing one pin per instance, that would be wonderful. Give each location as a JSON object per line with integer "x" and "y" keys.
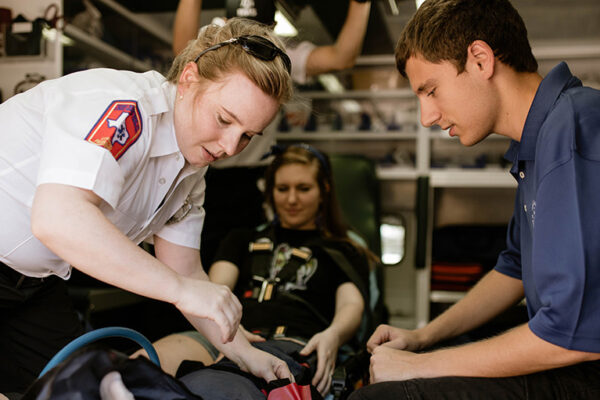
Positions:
{"x": 577, "y": 382}
{"x": 217, "y": 384}
{"x": 37, "y": 319}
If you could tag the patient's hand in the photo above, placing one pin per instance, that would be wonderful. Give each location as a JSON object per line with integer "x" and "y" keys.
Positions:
{"x": 326, "y": 343}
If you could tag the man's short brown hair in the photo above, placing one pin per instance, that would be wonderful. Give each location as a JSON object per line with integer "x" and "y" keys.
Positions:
{"x": 442, "y": 30}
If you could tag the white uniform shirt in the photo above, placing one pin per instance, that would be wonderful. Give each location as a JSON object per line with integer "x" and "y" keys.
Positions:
{"x": 103, "y": 130}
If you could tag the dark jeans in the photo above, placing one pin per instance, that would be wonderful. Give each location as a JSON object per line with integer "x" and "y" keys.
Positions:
{"x": 577, "y": 382}
{"x": 225, "y": 385}
{"x": 37, "y": 319}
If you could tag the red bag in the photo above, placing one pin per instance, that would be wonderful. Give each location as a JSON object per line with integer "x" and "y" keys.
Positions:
{"x": 283, "y": 389}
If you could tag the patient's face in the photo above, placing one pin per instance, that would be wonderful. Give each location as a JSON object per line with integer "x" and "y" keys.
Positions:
{"x": 297, "y": 196}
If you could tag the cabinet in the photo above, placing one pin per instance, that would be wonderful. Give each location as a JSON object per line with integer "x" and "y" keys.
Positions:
{"x": 119, "y": 39}
{"x": 128, "y": 41}
{"x": 14, "y": 69}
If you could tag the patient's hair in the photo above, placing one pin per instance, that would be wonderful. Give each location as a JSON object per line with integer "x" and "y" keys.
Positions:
{"x": 442, "y": 30}
{"x": 329, "y": 220}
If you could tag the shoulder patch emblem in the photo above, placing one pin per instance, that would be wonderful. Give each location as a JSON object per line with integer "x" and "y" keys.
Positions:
{"x": 118, "y": 128}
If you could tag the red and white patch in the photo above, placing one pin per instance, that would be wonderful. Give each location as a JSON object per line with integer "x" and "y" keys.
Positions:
{"x": 118, "y": 128}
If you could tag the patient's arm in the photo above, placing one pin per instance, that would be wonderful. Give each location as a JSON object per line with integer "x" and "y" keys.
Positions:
{"x": 224, "y": 273}
{"x": 349, "y": 306}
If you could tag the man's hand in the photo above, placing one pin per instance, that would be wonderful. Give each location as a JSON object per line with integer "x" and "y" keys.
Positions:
{"x": 326, "y": 344}
{"x": 215, "y": 302}
{"x": 396, "y": 338}
{"x": 264, "y": 365}
{"x": 388, "y": 364}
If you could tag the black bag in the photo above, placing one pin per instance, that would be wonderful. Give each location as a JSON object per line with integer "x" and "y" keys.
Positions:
{"x": 80, "y": 375}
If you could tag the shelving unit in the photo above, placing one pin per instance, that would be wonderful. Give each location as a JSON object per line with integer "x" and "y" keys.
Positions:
{"x": 104, "y": 51}
{"x": 13, "y": 69}
{"x": 135, "y": 32}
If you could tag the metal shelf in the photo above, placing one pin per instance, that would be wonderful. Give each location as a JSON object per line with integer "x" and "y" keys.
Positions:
{"x": 345, "y": 135}
{"x": 116, "y": 57}
{"x": 436, "y": 133}
{"x": 360, "y": 94}
{"x": 393, "y": 173}
{"x": 142, "y": 21}
{"x": 445, "y": 296}
{"x": 474, "y": 178}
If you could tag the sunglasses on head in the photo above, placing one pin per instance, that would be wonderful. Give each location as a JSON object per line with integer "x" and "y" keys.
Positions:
{"x": 257, "y": 46}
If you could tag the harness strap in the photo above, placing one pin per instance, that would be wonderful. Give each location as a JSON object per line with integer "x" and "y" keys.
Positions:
{"x": 262, "y": 259}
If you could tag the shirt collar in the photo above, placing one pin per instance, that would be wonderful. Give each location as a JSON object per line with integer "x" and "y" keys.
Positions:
{"x": 557, "y": 80}
{"x": 164, "y": 141}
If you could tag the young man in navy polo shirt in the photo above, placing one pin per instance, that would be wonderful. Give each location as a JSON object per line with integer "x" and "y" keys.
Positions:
{"x": 471, "y": 66}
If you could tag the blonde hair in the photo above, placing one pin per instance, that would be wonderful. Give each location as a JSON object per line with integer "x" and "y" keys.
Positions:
{"x": 270, "y": 76}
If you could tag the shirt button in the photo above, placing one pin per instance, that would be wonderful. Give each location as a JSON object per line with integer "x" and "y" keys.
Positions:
{"x": 162, "y": 181}
{"x": 177, "y": 157}
{"x": 522, "y": 175}
{"x": 525, "y": 207}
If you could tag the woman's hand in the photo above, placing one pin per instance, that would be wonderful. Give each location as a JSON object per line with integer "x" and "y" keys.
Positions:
{"x": 326, "y": 344}
{"x": 204, "y": 299}
{"x": 264, "y": 365}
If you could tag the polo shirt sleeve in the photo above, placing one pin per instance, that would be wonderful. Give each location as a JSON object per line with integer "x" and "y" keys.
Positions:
{"x": 509, "y": 260}
{"x": 69, "y": 158}
{"x": 566, "y": 245}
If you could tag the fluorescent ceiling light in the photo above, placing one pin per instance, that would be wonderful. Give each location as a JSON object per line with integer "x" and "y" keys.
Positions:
{"x": 419, "y": 2}
{"x": 283, "y": 27}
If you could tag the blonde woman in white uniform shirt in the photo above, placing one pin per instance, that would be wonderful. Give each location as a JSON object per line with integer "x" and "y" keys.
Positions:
{"x": 98, "y": 161}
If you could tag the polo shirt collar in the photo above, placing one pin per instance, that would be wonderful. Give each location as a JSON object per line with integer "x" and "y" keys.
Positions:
{"x": 557, "y": 80}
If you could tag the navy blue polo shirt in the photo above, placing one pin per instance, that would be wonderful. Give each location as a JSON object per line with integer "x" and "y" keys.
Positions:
{"x": 553, "y": 240}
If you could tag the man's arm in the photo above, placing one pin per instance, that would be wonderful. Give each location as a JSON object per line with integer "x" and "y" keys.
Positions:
{"x": 186, "y": 23}
{"x": 516, "y": 352}
{"x": 494, "y": 293}
{"x": 348, "y": 45}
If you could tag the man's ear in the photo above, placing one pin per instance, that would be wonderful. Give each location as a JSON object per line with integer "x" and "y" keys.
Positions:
{"x": 480, "y": 57}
